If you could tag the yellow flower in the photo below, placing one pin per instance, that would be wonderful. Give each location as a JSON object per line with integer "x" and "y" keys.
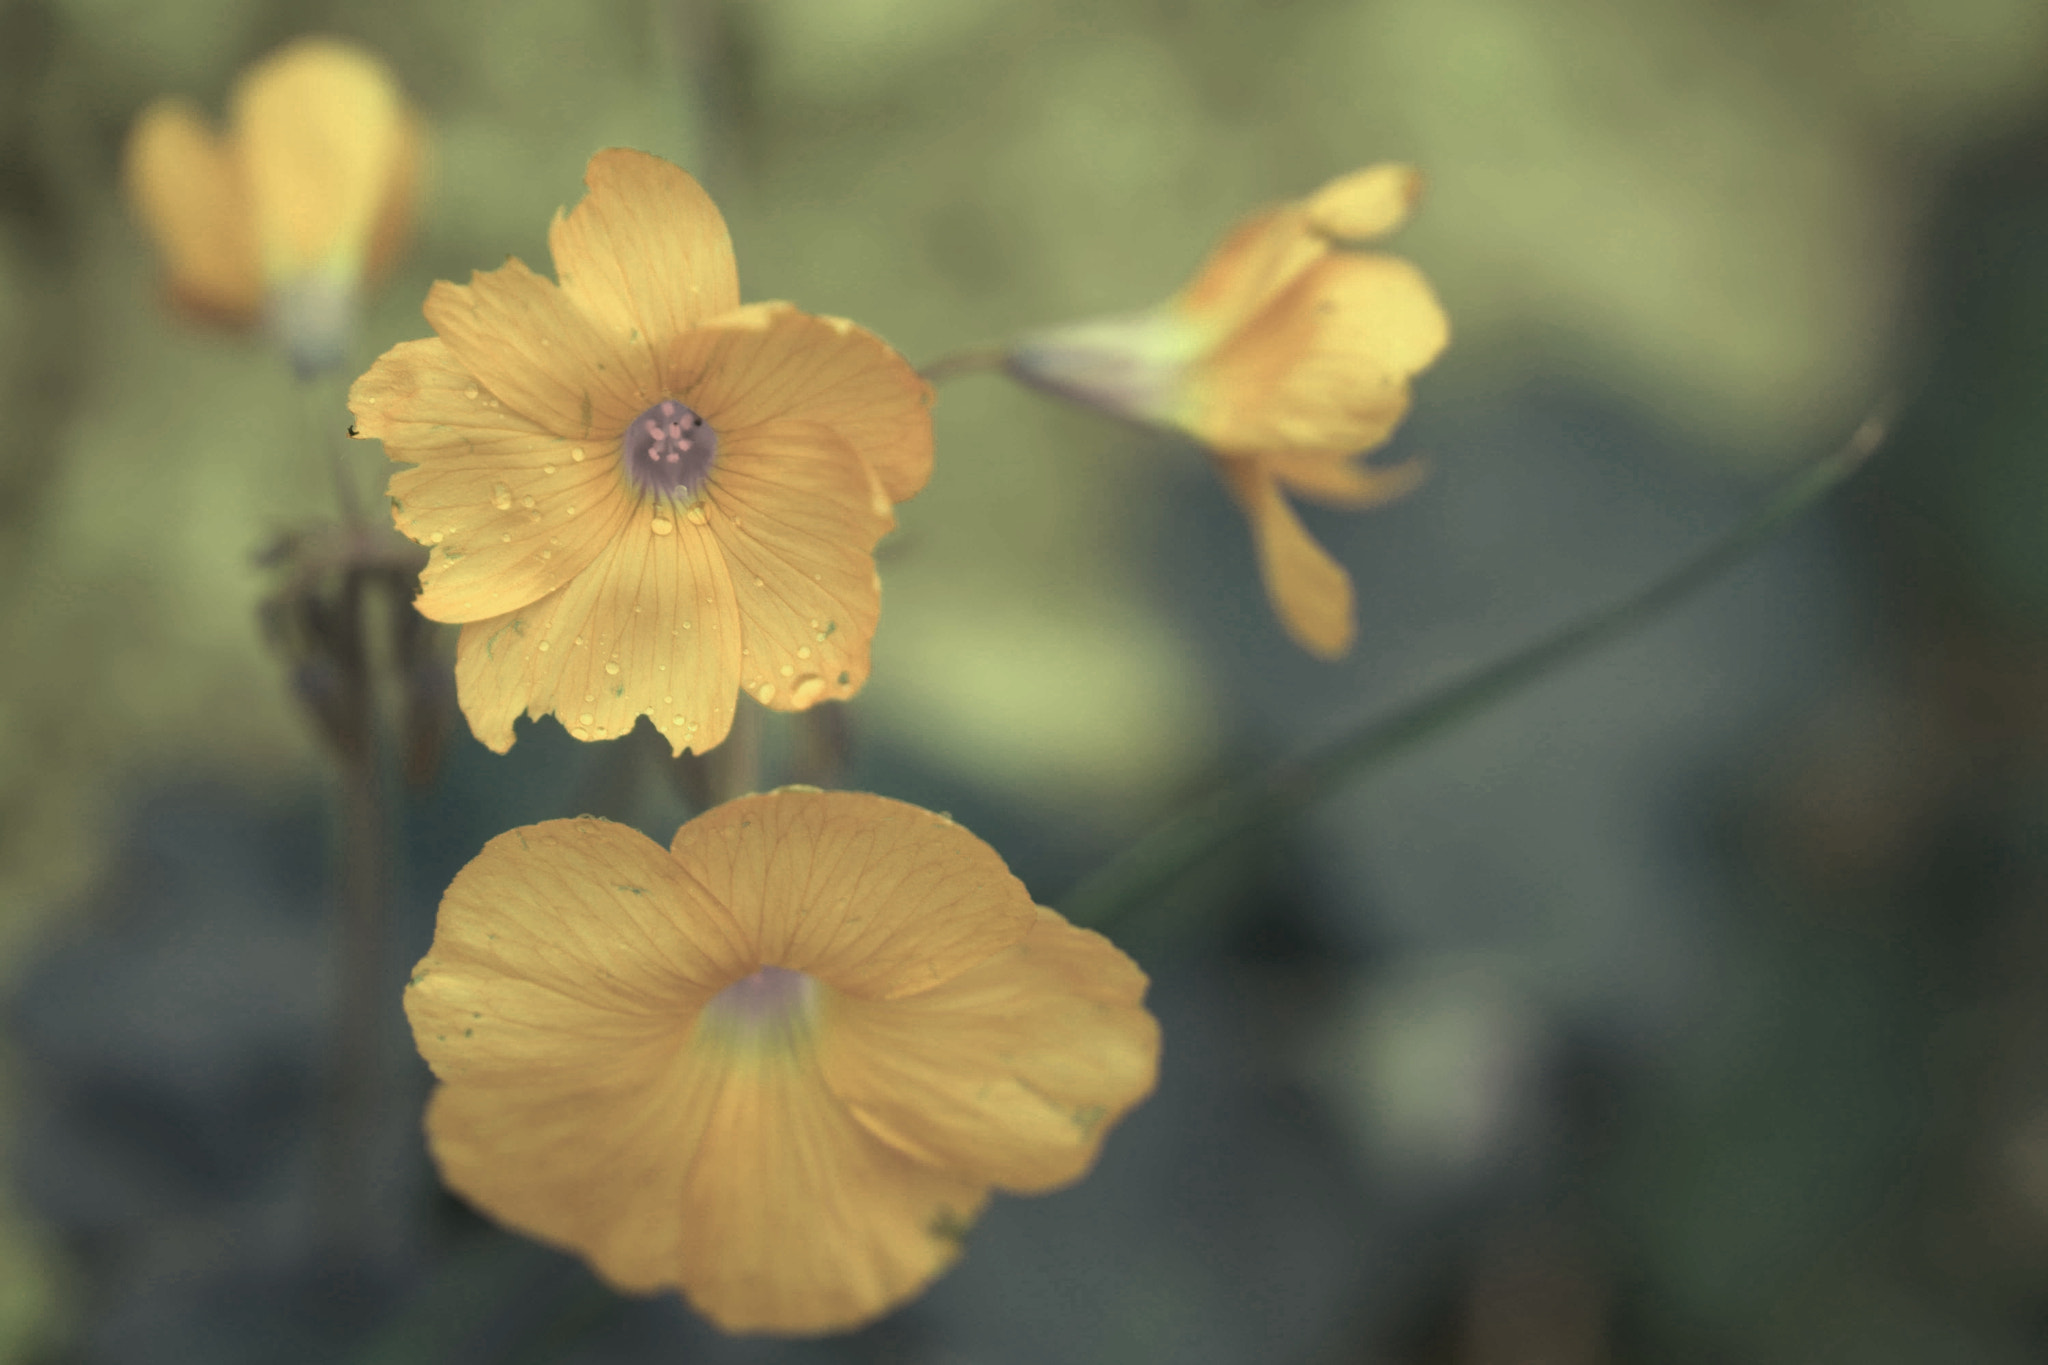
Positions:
{"x": 641, "y": 496}
{"x": 1289, "y": 356}
{"x": 777, "y": 1066}
{"x": 309, "y": 193}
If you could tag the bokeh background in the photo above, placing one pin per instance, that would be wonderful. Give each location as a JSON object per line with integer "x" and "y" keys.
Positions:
{"x": 1690, "y": 1007}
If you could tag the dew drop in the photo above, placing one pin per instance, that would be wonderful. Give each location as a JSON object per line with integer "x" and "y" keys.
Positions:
{"x": 804, "y": 652}
{"x": 437, "y": 537}
{"x": 579, "y": 639}
{"x": 612, "y": 669}
{"x": 662, "y": 526}
{"x": 696, "y": 515}
{"x": 767, "y": 693}
{"x": 501, "y": 497}
{"x": 577, "y": 453}
{"x": 542, "y": 646}
{"x": 760, "y": 582}
{"x": 678, "y": 721}
{"x": 547, "y": 469}
{"x": 689, "y": 625}
{"x": 526, "y": 502}
{"x": 586, "y": 718}
{"x": 787, "y": 671}
{"x": 505, "y": 539}
{"x": 580, "y": 733}
{"x": 808, "y": 690}
{"x": 469, "y": 392}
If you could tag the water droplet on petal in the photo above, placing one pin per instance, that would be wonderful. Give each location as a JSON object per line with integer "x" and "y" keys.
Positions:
{"x": 808, "y": 690}
{"x": 696, "y": 515}
{"x": 501, "y": 497}
{"x": 577, "y": 453}
{"x": 662, "y": 526}
{"x": 469, "y": 392}
{"x": 767, "y": 693}
{"x": 804, "y": 652}
{"x": 612, "y": 669}
{"x": 787, "y": 671}
{"x": 586, "y": 718}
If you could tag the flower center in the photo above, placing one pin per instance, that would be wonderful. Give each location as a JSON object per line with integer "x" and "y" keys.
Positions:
{"x": 774, "y": 1005}
{"x": 669, "y": 448}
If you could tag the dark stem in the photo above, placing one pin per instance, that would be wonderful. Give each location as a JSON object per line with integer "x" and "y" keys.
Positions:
{"x": 1287, "y": 787}
{"x": 973, "y": 360}
{"x": 354, "y": 1098}
{"x": 324, "y": 429}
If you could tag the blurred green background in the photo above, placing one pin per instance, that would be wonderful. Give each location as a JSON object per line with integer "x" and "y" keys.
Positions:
{"x": 1683, "y": 244}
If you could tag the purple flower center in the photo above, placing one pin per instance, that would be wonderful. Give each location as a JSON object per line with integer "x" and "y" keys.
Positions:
{"x": 774, "y": 1004}
{"x": 669, "y": 449}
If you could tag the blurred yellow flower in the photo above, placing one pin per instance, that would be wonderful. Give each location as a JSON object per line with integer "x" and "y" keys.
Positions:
{"x": 308, "y": 194}
{"x": 778, "y": 1066}
{"x": 1289, "y": 356}
{"x": 641, "y": 496}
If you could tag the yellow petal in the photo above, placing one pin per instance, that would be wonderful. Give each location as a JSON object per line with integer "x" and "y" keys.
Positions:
{"x": 734, "y": 1176}
{"x": 791, "y": 507}
{"x": 1260, "y": 257}
{"x": 492, "y": 491}
{"x": 320, "y": 127}
{"x": 1325, "y": 364}
{"x": 1310, "y": 591}
{"x": 1342, "y": 478}
{"x": 798, "y": 1220}
{"x": 646, "y": 253}
{"x": 1365, "y": 204}
{"x": 1011, "y": 1073}
{"x": 540, "y": 355}
{"x": 873, "y": 897}
{"x": 768, "y": 361}
{"x": 393, "y": 223}
{"x": 558, "y": 934}
{"x": 650, "y": 628}
{"x": 188, "y": 192}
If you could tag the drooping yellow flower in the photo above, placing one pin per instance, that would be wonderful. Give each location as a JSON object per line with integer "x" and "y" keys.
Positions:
{"x": 307, "y": 195}
{"x": 778, "y": 1066}
{"x": 1289, "y": 356}
{"x": 641, "y": 496}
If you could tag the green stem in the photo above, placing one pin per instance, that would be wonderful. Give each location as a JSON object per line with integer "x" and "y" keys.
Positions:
{"x": 973, "y": 360}
{"x": 1291, "y": 785}
{"x": 323, "y": 433}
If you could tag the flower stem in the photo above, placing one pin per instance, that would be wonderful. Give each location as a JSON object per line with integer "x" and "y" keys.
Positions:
{"x": 354, "y": 1094}
{"x": 1287, "y": 787}
{"x": 316, "y": 399}
{"x": 972, "y": 360}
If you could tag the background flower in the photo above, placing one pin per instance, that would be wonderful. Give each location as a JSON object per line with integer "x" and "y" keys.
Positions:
{"x": 1289, "y": 357}
{"x": 640, "y": 496}
{"x": 308, "y": 194}
{"x": 778, "y": 1066}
